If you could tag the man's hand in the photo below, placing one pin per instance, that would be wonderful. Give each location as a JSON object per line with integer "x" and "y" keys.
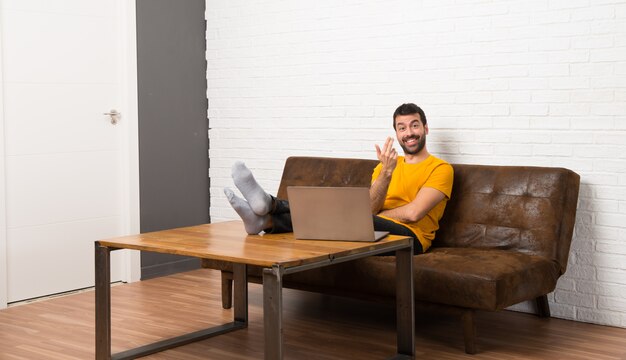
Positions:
{"x": 387, "y": 156}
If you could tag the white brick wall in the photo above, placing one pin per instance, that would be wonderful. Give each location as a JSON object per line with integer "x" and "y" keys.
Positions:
{"x": 538, "y": 82}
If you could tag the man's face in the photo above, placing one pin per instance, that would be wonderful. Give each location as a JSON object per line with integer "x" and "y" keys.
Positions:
{"x": 411, "y": 133}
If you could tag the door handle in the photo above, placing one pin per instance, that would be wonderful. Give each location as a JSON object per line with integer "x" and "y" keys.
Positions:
{"x": 115, "y": 116}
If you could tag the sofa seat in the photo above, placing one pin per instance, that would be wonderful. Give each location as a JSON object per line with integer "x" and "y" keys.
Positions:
{"x": 485, "y": 279}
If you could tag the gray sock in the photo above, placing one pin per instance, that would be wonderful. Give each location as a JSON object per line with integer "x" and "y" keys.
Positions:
{"x": 260, "y": 201}
{"x": 253, "y": 223}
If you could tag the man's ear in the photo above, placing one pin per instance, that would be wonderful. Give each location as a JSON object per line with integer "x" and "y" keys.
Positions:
{"x": 426, "y": 129}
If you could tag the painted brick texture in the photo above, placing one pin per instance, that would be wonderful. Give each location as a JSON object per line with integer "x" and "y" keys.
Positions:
{"x": 539, "y": 82}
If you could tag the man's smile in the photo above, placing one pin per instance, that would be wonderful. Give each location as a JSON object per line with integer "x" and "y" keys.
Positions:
{"x": 411, "y": 140}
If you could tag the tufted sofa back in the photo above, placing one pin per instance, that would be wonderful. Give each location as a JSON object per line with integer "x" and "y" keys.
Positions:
{"x": 527, "y": 209}
{"x": 319, "y": 171}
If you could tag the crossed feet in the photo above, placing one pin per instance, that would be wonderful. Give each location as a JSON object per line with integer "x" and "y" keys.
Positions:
{"x": 254, "y": 210}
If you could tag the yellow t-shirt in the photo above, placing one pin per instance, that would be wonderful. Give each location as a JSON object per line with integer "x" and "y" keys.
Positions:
{"x": 407, "y": 180}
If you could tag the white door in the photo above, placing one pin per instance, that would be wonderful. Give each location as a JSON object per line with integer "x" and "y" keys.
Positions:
{"x": 70, "y": 174}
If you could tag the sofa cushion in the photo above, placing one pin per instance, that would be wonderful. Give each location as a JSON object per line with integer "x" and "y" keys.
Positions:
{"x": 482, "y": 278}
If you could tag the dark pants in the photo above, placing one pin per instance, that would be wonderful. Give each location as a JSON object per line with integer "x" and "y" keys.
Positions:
{"x": 281, "y": 223}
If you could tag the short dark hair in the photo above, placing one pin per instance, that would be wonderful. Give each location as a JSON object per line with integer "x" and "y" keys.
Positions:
{"x": 409, "y": 109}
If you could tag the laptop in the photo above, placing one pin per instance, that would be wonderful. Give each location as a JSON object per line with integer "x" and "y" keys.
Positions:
{"x": 332, "y": 213}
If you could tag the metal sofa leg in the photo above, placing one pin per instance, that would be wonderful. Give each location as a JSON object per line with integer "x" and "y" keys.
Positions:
{"x": 469, "y": 331}
{"x": 227, "y": 289}
{"x": 543, "y": 308}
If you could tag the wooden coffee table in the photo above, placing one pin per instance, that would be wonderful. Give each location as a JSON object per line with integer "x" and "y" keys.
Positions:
{"x": 278, "y": 254}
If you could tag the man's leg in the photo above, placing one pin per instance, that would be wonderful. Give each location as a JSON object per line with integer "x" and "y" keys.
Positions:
{"x": 382, "y": 224}
{"x": 280, "y": 223}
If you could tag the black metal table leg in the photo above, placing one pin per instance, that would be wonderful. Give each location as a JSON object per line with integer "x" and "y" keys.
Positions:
{"x": 272, "y": 312}
{"x": 103, "y": 302}
{"x": 240, "y": 294}
{"x": 405, "y": 311}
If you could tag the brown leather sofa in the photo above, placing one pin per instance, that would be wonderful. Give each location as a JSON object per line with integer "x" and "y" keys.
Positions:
{"x": 504, "y": 238}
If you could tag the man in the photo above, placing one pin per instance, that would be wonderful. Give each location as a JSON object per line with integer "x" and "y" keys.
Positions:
{"x": 408, "y": 193}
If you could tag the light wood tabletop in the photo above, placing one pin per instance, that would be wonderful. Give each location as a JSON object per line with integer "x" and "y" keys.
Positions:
{"x": 228, "y": 241}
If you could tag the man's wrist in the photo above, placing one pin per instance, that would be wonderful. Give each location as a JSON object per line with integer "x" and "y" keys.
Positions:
{"x": 387, "y": 173}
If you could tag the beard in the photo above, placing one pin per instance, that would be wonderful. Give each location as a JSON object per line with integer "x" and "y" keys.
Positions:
{"x": 421, "y": 142}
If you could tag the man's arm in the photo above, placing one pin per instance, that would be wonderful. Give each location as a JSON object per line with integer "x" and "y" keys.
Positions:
{"x": 378, "y": 191}
{"x": 427, "y": 198}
